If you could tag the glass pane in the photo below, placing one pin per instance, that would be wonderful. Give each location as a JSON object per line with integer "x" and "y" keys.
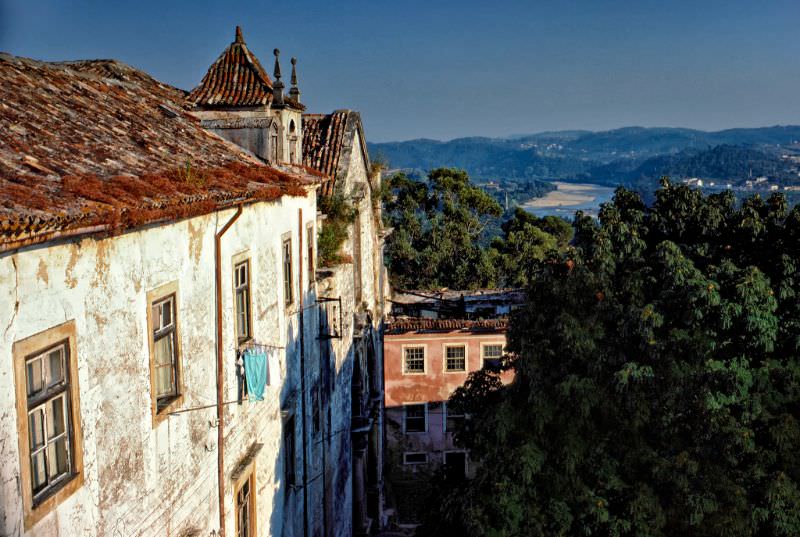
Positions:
{"x": 55, "y": 417}
{"x": 56, "y": 359}
{"x": 58, "y": 460}
{"x": 163, "y": 350}
{"x": 34, "y": 376}
{"x": 164, "y": 381}
{"x": 38, "y": 471}
{"x": 166, "y": 312}
{"x": 156, "y": 316}
{"x": 36, "y": 428}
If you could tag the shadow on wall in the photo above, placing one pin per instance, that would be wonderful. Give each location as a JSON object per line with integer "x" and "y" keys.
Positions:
{"x": 421, "y": 447}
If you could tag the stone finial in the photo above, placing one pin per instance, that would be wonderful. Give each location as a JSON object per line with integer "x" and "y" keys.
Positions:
{"x": 277, "y": 72}
{"x": 277, "y": 87}
{"x": 239, "y": 38}
{"x": 294, "y": 92}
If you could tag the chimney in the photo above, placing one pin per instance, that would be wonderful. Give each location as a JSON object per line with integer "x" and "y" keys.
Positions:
{"x": 294, "y": 93}
{"x": 277, "y": 87}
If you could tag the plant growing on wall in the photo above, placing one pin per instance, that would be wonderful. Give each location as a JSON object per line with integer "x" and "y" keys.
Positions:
{"x": 339, "y": 213}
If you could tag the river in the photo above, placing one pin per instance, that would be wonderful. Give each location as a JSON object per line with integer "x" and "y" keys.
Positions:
{"x": 570, "y": 197}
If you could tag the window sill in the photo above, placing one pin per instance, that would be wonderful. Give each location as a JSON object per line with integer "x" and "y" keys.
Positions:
{"x": 51, "y": 500}
{"x": 160, "y": 415}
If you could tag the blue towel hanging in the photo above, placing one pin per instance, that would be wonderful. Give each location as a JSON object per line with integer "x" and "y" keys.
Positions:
{"x": 255, "y": 367}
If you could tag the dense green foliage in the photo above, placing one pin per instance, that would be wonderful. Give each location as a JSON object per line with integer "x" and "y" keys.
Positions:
{"x": 440, "y": 229}
{"x": 657, "y": 387}
{"x": 339, "y": 214}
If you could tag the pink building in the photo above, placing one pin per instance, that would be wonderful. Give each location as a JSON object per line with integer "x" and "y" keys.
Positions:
{"x": 426, "y": 357}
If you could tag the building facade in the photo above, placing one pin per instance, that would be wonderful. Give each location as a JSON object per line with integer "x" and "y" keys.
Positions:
{"x": 161, "y": 349}
{"x": 432, "y": 343}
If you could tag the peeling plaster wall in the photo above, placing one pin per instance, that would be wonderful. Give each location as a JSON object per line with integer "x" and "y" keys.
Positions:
{"x": 433, "y": 387}
{"x": 141, "y": 480}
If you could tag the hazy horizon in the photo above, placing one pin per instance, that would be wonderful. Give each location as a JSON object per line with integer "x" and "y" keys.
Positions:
{"x": 450, "y": 70}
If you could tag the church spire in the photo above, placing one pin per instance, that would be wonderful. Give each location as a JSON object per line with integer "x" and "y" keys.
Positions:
{"x": 277, "y": 87}
{"x": 294, "y": 92}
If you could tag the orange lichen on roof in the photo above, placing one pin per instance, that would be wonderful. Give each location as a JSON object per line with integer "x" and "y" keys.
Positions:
{"x": 99, "y": 142}
{"x": 236, "y": 78}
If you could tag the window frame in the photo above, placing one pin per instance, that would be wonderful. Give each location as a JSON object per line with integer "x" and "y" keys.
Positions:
{"x": 34, "y": 509}
{"x": 288, "y": 279}
{"x": 311, "y": 252}
{"x": 407, "y": 453}
{"x": 169, "y": 290}
{"x": 485, "y": 344}
{"x": 424, "y": 416}
{"x": 424, "y": 348}
{"x": 290, "y": 459}
{"x": 237, "y": 262}
{"x": 446, "y": 414}
{"x": 445, "y": 348}
{"x": 248, "y": 476}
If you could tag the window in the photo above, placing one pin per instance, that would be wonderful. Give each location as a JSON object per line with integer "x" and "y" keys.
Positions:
{"x": 315, "y": 409}
{"x": 165, "y": 356}
{"x": 287, "y": 271}
{"x": 492, "y": 354}
{"x": 455, "y": 465}
{"x": 416, "y": 417}
{"x": 414, "y": 360}
{"x": 289, "y": 452}
{"x": 455, "y": 358}
{"x": 50, "y": 442}
{"x": 245, "y": 508}
{"x": 452, "y": 421}
{"x": 292, "y": 143}
{"x": 415, "y": 458}
{"x": 241, "y": 283}
{"x": 311, "y": 260}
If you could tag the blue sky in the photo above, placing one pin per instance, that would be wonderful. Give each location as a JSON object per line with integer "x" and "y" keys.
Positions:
{"x": 449, "y": 69}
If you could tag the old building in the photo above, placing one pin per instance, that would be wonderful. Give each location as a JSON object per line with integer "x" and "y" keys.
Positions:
{"x": 351, "y": 387}
{"x": 431, "y": 344}
{"x": 163, "y": 324}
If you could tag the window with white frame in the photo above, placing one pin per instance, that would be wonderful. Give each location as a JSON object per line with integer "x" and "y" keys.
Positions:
{"x": 415, "y": 418}
{"x": 492, "y": 354}
{"x": 49, "y": 424}
{"x": 414, "y": 360}
{"x": 241, "y": 282}
{"x": 452, "y": 420}
{"x": 165, "y": 354}
{"x": 455, "y": 358}
{"x": 288, "y": 283}
{"x": 415, "y": 457}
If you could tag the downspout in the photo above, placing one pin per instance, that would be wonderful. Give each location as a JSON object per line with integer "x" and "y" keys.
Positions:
{"x": 220, "y": 370}
{"x": 302, "y": 370}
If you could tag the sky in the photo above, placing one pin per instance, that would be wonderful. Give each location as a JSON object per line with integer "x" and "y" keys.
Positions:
{"x": 442, "y": 70}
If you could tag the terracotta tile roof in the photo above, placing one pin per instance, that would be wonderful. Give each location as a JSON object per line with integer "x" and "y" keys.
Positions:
{"x": 236, "y": 78}
{"x": 322, "y": 144}
{"x": 417, "y": 324}
{"x": 101, "y": 144}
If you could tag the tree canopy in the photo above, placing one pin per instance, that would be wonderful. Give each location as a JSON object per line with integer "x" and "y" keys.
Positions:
{"x": 443, "y": 234}
{"x": 657, "y": 387}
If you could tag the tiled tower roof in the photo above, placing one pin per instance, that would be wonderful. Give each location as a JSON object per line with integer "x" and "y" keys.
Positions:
{"x": 235, "y": 79}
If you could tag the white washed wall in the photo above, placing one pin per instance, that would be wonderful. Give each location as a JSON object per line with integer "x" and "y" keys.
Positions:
{"x": 140, "y": 480}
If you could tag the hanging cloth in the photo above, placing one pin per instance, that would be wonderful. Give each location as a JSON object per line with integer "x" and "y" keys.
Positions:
{"x": 255, "y": 367}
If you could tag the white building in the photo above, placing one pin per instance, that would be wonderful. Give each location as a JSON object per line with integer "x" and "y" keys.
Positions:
{"x": 140, "y": 252}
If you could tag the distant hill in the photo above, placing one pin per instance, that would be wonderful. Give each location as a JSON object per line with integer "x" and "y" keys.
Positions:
{"x": 620, "y": 156}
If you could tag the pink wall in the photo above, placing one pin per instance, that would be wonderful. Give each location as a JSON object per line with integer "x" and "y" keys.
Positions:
{"x": 435, "y": 384}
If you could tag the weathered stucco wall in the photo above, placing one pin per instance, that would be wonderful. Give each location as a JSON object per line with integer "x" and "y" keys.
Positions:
{"x": 141, "y": 479}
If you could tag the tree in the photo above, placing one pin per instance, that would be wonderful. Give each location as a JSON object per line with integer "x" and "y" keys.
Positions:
{"x": 657, "y": 387}
{"x": 526, "y": 240}
{"x": 436, "y": 230}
